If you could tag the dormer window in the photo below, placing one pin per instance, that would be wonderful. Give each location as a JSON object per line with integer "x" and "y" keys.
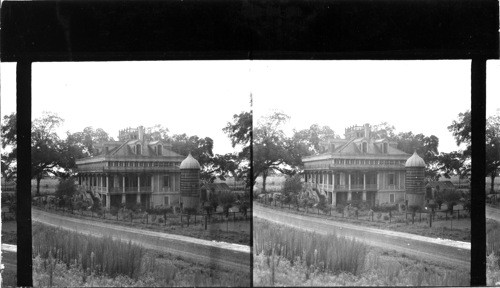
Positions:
{"x": 159, "y": 149}
{"x": 138, "y": 149}
{"x": 365, "y": 147}
{"x": 384, "y": 148}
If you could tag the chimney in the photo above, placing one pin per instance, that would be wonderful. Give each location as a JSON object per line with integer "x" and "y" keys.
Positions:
{"x": 141, "y": 133}
{"x": 367, "y": 130}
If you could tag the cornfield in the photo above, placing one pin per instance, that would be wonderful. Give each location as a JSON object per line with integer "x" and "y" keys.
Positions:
{"x": 324, "y": 252}
{"x": 97, "y": 255}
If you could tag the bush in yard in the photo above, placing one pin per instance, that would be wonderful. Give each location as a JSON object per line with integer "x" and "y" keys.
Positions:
{"x": 340, "y": 208}
{"x": 113, "y": 210}
{"x": 451, "y": 198}
{"x": 291, "y": 188}
{"x": 66, "y": 189}
{"x": 227, "y": 200}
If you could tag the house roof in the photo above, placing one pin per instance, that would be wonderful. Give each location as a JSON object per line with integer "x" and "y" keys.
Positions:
{"x": 354, "y": 146}
{"x": 415, "y": 161}
{"x": 190, "y": 163}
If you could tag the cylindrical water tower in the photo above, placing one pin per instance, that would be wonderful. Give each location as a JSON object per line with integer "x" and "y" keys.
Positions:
{"x": 190, "y": 182}
{"x": 414, "y": 178}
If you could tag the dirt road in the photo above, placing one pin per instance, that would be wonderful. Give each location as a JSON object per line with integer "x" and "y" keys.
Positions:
{"x": 201, "y": 251}
{"x": 493, "y": 213}
{"x": 445, "y": 251}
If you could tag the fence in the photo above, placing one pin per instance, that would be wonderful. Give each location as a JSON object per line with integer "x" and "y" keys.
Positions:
{"x": 372, "y": 216}
{"x": 167, "y": 219}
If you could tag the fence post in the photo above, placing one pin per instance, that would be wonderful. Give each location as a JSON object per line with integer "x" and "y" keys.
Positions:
{"x": 446, "y": 212}
{"x": 430, "y": 220}
{"x": 205, "y": 222}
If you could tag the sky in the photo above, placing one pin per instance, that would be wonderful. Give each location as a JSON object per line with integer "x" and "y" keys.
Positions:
{"x": 192, "y": 97}
{"x": 417, "y": 96}
{"x": 200, "y": 97}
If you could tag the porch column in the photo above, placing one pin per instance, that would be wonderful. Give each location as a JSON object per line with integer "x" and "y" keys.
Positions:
{"x": 152, "y": 182}
{"x": 333, "y": 182}
{"x": 108, "y": 201}
{"x": 349, "y": 182}
{"x": 349, "y": 196}
{"x": 364, "y": 196}
{"x": 334, "y": 199}
{"x": 123, "y": 190}
{"x": 138, "y": 200}
{"x": 378, "y": 185}
{"x": 364, "y": 181}
{"x": 107, "y": 184}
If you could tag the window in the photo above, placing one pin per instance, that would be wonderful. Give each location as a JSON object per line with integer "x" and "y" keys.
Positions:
{"x": 138, "y": 149}
{"x": 391, "y": 179}
{"x": 391, "y": 198}
{"x": 167, "y": 201}
{"x": 166, "y": 181}
{"x": 384, "y": 148}
{"x": 365, "y": 147}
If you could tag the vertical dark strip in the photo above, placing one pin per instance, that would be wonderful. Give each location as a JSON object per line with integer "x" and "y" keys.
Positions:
{"x": 250, "y": 180}
{"x": 24, "y": 248}
{"x": 478, "y": 217}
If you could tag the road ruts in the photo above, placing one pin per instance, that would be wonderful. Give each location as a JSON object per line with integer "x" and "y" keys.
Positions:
{"x": 212, "y": 253}
{"x": 445, "y": 251}
{"x": 493, "y": 213}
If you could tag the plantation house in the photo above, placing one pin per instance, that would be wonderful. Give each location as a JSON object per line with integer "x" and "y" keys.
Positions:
{"x": 138, "y": 171}
{"x": 362, "y": 168}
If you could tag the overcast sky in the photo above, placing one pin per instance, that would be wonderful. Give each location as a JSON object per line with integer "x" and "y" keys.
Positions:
{"x": 417, "y": 96}
{"x": 192, "y": 97}
{"x": 200, "y": 97}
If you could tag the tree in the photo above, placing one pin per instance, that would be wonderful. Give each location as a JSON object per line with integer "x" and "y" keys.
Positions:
{"x": 492, "y": 149}
{"x": 45, "y": 147}
{"x": 65, "y": 191}
{"x": 240, "y": 133}
{"x": 226, "y": 200}
{"x": 451, "y": 198}
{"x": 272, "y": 150}
{"x": 461, "y": 131}
{"x": 309, "y": 140}
{"x": 9, "y": 140}
{"x": 86, "y": 139}
{"x": 291, "y": 188}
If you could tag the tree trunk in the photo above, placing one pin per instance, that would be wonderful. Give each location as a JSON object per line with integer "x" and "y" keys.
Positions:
{"x": 264, "y": 177}
{"x": 38, "y": 179}
{"x": 492, "y": 176}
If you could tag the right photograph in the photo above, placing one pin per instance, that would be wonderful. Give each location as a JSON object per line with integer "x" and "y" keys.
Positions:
{"x": 492, "y": 181}
{"x": 361, "y": 174}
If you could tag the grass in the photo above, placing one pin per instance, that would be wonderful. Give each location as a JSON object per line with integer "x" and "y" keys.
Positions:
{"x": 493, "y": 253}
{"x": 442, "y": 228}
{"x": 372, "y": 266}
{"x": 63, "y": 258}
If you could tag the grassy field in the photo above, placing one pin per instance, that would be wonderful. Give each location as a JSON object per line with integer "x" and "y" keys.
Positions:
{"x": 287, "y": 257}
{"x": 273, "y": 183}
{"x": 47, "y": 186}
{"x": 493, "y": 253}
{"x": 448, "y": 229}
{"x": 68, "y": 259}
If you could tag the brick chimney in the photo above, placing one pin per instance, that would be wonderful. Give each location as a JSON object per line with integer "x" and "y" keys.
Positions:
{"x": 141, "y": 133}
{"x": 367, "y": 130}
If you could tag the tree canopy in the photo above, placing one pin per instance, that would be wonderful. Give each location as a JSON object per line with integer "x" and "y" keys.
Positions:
{"x": 9, "y": 140}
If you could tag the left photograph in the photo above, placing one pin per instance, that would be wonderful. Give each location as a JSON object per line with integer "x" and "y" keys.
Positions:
{"x": 139, "y": 173}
